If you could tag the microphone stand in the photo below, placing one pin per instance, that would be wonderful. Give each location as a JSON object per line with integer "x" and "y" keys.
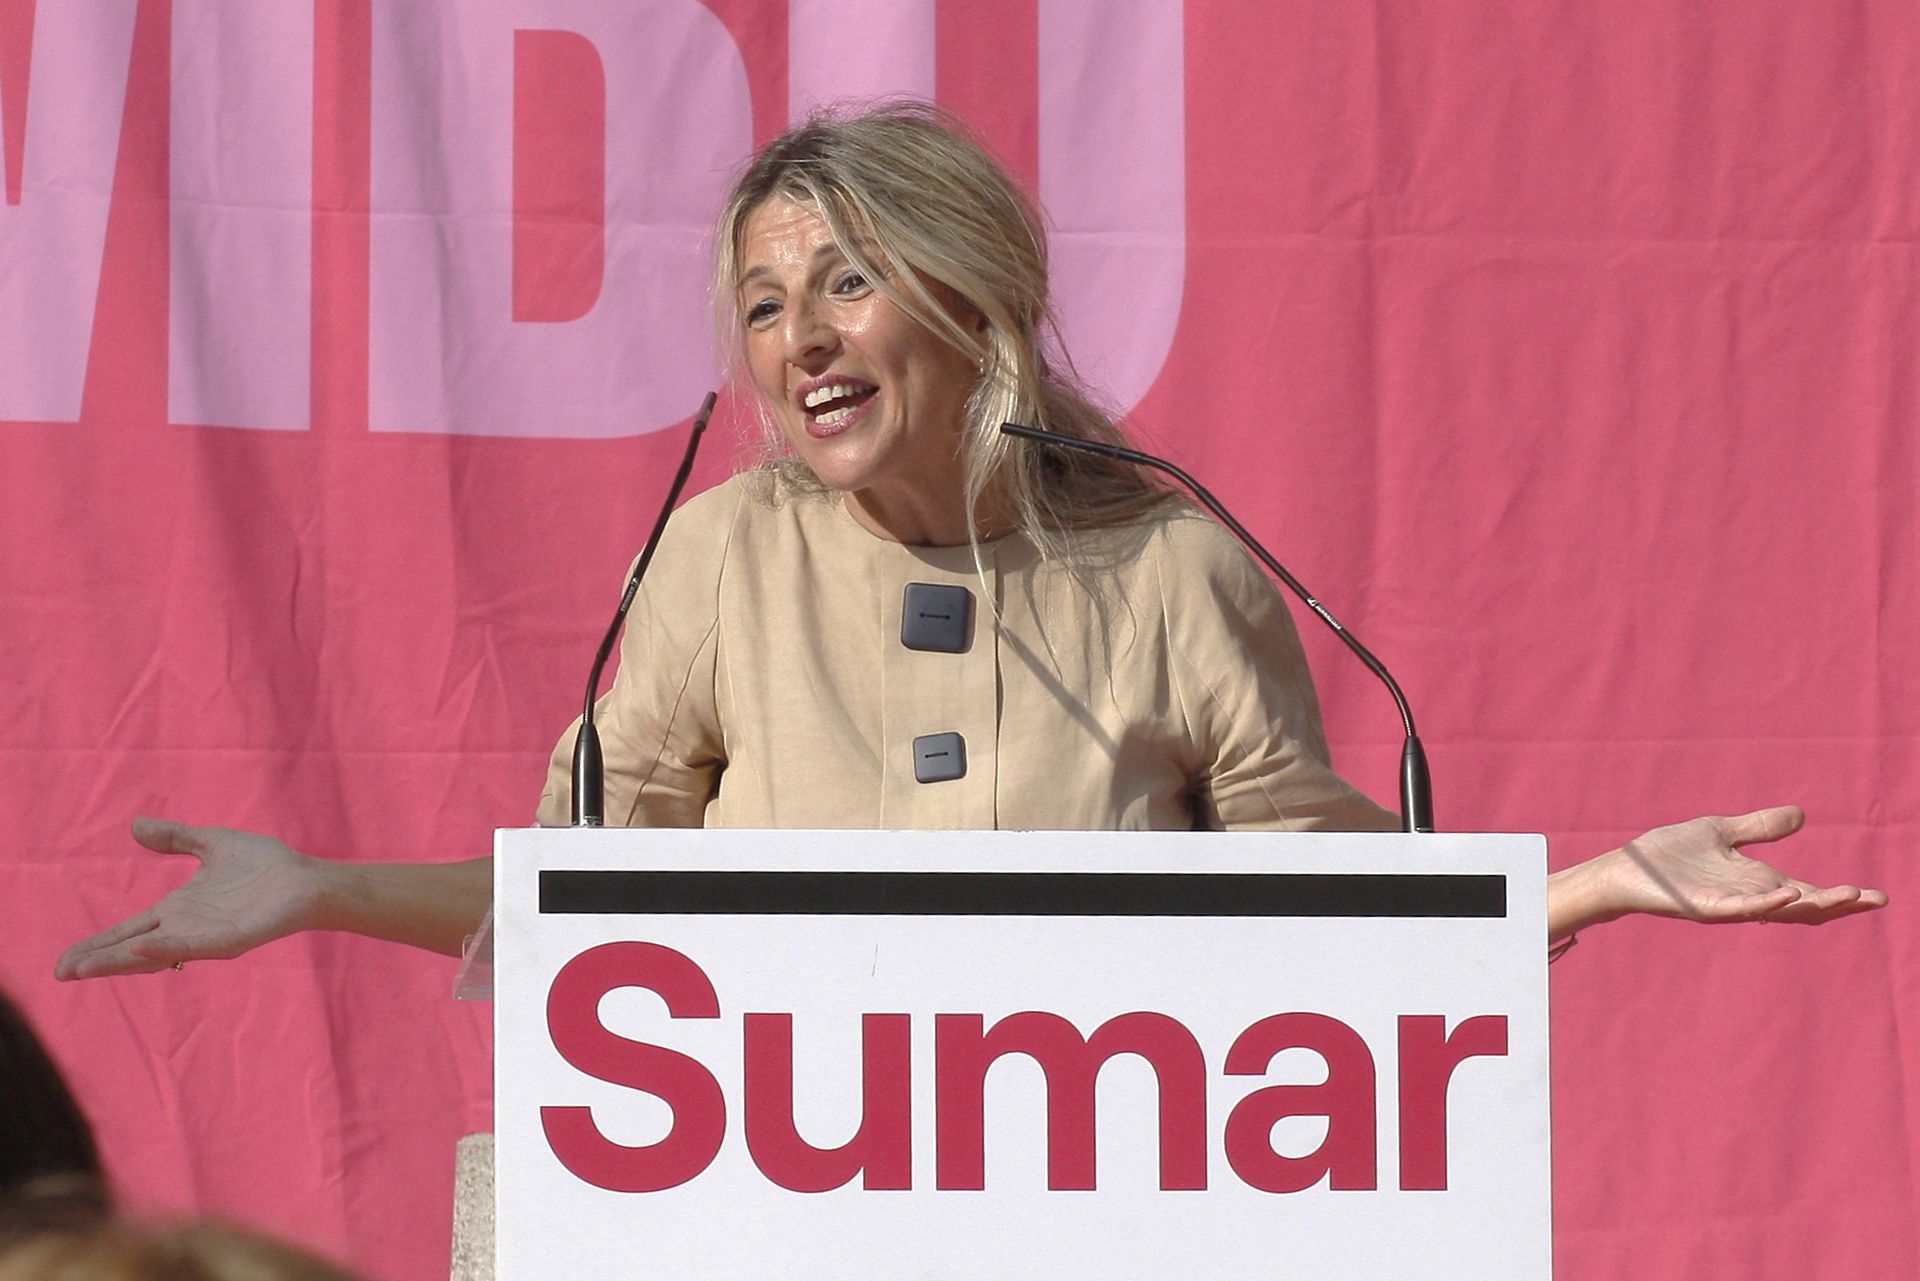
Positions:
{"x": 589, "y": 772}
{"x": 1416, "y": 785}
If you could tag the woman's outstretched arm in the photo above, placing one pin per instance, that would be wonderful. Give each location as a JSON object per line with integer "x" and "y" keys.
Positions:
{"x": 252, "y": 889}
{"x": 1697, "y": 871}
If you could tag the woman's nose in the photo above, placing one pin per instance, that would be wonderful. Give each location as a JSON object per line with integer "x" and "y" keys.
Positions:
{"x": 809, "y": 335}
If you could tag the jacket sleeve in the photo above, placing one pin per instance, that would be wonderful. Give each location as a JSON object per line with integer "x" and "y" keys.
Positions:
{"x": 1261, "y": 759}
{"x": 659, "y": 724}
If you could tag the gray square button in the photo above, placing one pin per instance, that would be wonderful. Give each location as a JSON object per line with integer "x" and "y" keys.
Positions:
{"x": 939, "y": 757}
{"x": 935, "y": 617}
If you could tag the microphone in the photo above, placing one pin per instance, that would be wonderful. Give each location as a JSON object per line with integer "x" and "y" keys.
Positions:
{"x": 1416, "y": 786}
{"x": 589, "y": 773}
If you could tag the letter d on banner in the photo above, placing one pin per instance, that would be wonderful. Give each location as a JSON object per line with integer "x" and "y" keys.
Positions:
{"x": 447, "y": 355}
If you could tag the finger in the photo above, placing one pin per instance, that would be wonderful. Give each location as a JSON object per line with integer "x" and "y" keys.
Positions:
{"x": 1835, "y": 896}
{"x": 164, "y": 948}
{"x": 71, "y": 961}
{"x": 1754, "y": 907}
{"x": 1769, "y": 824}
{"x": 1833, "y": 903}
{"x": 1819, "y": 904}
{"x": 123, "y": 958}
{"x": 164, "y": 836}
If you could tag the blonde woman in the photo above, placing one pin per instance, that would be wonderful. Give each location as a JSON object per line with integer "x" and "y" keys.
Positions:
{"x": 1119, "y": 663}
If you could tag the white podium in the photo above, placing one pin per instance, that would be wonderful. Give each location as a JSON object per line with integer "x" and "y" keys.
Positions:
{"x": 1020, "y": 1055}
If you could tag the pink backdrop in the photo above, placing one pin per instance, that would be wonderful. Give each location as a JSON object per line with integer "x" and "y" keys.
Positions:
{"x": 1567, "y": 349}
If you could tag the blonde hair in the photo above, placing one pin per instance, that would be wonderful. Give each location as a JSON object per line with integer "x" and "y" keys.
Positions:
{"x": 907, "y": 183}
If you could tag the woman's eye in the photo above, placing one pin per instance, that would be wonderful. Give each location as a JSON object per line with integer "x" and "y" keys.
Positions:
{"x": 762, "y": 312}
{"x": 850, "y": 282}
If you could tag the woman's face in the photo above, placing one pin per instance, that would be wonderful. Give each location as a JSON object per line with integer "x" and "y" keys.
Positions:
{"x": 869, "y": 398}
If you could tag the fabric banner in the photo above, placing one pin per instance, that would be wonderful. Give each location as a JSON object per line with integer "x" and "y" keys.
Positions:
{"x": 1566, "y": 351}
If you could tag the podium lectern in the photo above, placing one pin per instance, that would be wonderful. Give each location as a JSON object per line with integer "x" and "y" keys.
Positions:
{"x": 1005, "y": 1055}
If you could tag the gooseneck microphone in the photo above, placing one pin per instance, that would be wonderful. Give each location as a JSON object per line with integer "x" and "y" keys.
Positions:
{"x": 1416, "y": 787}
{"x": 589, "y": 772}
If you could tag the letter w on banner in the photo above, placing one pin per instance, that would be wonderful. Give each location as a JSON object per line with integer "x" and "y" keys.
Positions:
{"x": 63, "y": 81}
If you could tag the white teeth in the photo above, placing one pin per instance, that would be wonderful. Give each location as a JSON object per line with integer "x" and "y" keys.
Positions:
{"x": 821, "y": 395}
{"x": 833, "y": 415}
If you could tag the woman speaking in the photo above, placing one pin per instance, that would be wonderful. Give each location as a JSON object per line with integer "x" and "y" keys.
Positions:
{"x": 903, "y": 618}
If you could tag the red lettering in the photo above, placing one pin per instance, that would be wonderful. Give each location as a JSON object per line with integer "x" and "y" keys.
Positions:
{"x": 881, "y": 1150}
{"x": 699, "y": 1108}
{"x": 1428, "y": 1056}
{"x": 1347, "y": 1157}
{"x": 962, "y": 1054}
{"x": 881, "y": 1147}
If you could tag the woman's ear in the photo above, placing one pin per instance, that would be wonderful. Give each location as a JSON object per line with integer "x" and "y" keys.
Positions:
{"x": 964, "y": 313}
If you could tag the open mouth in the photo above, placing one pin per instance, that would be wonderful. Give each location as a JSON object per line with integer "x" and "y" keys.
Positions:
{"x": 833, "y": 404}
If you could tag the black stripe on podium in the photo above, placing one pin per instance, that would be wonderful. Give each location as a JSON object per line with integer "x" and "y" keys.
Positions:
{"x": 641, "y": 893}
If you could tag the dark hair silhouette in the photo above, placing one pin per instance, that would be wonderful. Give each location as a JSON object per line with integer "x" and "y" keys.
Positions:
{"x": 50, "y": 1172}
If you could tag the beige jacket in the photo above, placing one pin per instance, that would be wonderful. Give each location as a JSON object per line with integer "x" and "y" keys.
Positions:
{"x": 763, "y": 683}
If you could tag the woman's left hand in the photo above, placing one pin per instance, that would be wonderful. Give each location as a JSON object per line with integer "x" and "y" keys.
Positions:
{"x": 1697, "y": 871}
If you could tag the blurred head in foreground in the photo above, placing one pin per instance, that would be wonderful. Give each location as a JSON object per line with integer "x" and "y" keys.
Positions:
{"x": 123, "y": 1252}
{"x": 50, "y": 1172}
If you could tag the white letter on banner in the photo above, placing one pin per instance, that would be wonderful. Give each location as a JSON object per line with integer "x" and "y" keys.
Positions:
{"x": 856, "y": 49}
{"x": 1112, "y": 154}
{"x": 240, "y": 346}
{"x": 52, "y": 241}
{"x": 1113, "y": 177}
{"x": 446, "y": 354}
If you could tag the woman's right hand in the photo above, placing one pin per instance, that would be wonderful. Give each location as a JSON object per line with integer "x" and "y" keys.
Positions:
{"x": 250, "y": 889}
